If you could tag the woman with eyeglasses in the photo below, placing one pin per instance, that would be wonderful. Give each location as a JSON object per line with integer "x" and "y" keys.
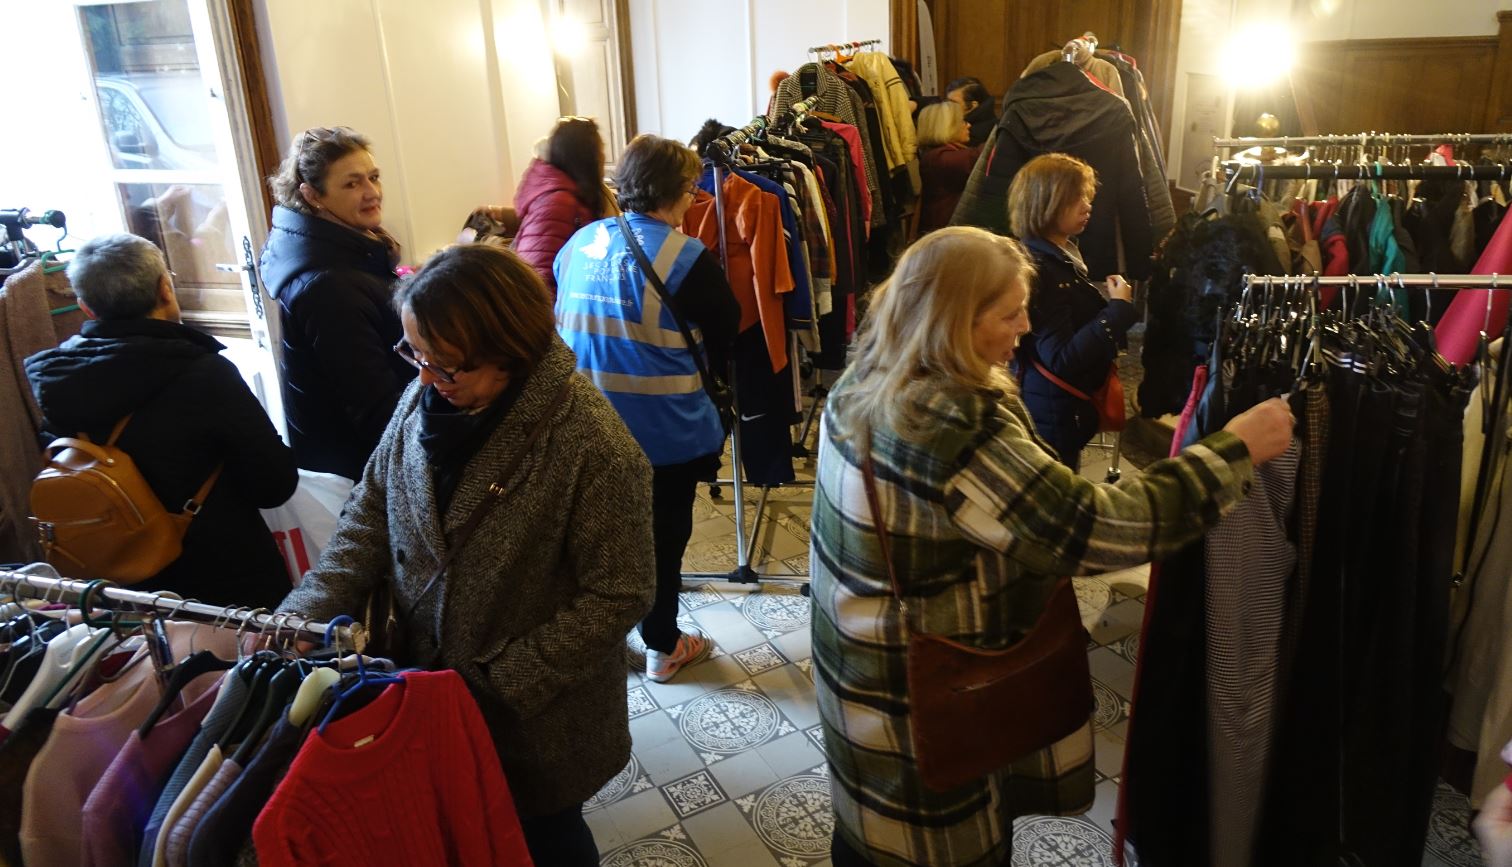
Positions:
{"x": 640, "y": 334}
{"x": 330, "y": 266}
{"x": 533, "y": 608}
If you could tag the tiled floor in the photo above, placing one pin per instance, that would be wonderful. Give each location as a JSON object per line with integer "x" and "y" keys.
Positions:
{"x": 728, "y": 768}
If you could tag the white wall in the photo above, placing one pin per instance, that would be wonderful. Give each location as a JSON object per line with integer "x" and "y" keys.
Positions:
{"x": 695, "y": 59}
{"x": 452, "y": 93}
{"x": 1206, "y": 25}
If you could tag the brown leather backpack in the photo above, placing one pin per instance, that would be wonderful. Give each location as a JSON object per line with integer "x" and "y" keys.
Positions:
{"x": 98, "y": 518}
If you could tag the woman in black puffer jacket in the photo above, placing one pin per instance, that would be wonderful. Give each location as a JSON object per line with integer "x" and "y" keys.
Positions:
{"x": 330, "y": 266}
{"x": 1075, "y": 332}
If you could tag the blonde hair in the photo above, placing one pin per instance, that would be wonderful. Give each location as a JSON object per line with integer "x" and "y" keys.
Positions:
{"x": 939, "y": 123}
{"x": 1045, "y": 187}
{"x": 917, "y": 339}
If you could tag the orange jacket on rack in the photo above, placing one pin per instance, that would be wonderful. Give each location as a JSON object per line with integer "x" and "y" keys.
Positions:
{"x": 758, "y": 267}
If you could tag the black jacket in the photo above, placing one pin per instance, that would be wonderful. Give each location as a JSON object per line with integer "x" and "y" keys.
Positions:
{"x": 341, "y": 378}
{"x": 1058, "y": 109}
{"x": 190, "y": 411}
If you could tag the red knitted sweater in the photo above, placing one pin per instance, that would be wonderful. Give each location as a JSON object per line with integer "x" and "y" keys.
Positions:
{"x": 410, "y": 779}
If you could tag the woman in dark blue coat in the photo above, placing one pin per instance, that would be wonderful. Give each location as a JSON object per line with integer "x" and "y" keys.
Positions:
{"x": 330, "y": 266}
{"x": 1075, "y": 332}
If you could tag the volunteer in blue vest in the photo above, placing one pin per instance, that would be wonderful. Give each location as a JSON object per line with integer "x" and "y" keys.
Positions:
{"x": 629, "y": 343}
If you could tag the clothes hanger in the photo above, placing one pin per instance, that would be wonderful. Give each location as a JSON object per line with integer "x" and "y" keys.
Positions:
{"x": 364, "y": 678}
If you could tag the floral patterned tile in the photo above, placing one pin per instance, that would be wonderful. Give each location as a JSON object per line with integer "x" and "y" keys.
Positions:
{"x": 693, "y": 793}
{"x": 793, "y": 817}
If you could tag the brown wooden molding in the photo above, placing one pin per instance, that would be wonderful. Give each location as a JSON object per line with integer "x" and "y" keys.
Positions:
{"x": 1499, "y": 99}
{"x": 1408, "y": 85}
{"x": 903, "y": 31}
{"x": 267, "y": 150}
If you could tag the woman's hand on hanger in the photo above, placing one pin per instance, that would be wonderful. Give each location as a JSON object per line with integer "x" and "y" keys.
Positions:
{"x": 1266, "y": 429}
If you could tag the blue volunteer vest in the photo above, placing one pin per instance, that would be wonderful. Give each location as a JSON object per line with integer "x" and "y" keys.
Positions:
{"x": 628, "y": 343}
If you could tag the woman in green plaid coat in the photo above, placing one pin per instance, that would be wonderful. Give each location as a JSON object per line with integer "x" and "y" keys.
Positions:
{"x": 983, "y": 520}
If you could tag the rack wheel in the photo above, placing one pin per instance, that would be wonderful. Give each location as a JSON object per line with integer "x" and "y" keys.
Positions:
{"x": 1113, "y": 475}
{"x": 716, "y": 492}
{"x": 804, "y": 591}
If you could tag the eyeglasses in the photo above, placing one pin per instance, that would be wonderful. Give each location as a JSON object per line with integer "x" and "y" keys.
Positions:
{"x": 407, "y": 352}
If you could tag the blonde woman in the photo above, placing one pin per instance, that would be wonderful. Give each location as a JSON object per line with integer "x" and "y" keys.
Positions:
{"x": 984, "y": 521}
{"x": 1076, "y": 331}
{"x": 945, "y": 162}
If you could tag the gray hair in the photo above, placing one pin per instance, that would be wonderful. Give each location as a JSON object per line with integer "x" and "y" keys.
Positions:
{"x": 116, "y": 276}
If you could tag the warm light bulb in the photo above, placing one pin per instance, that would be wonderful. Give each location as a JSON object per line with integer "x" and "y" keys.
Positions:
{"x": 568, "y": 36}
{"x": 1259, "y": 55}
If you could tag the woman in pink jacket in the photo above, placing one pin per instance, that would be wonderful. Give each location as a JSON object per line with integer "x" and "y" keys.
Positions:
{"x": 561, "y": 191}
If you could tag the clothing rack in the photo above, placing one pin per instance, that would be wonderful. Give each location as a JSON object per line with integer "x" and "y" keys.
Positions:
{"x": 724, "y": 147}
{"x": 1444, "y": 282}
{"x": 1236, "y": 171}
{"x": 1365, "y": 139}
{"x": 286, "y": 626}
{"x": 844, "y": 46}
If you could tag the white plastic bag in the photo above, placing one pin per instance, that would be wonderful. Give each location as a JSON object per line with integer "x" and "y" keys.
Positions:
{"x": 303, "y": 525}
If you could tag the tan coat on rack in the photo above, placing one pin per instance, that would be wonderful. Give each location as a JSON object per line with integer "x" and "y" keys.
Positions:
{"x": 26, "y": 327}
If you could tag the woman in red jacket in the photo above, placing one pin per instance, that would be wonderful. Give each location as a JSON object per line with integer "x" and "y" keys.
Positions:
{"x": 945, "y": 162}
{"x": 561, "y": 191}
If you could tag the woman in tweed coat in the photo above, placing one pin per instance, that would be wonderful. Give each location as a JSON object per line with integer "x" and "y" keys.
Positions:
{"x": 534, "y": 609}
{"x": 984, "y": 520}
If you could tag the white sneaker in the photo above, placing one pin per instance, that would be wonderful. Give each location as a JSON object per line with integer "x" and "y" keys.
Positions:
{"x": 691, "y": 645}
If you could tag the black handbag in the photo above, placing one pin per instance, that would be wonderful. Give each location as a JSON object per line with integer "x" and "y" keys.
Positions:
{"x": 385, "y": 621}
{"x": 714, "y": 386}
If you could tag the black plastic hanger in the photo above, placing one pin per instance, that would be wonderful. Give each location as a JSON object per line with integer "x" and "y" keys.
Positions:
{"x": 179, "y": 677}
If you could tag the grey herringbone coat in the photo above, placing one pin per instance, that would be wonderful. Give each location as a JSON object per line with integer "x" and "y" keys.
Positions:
{"x": 534, "y": 610}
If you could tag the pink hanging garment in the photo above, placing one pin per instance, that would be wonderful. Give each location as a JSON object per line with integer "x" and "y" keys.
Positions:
{"x": 1459, "y": 331}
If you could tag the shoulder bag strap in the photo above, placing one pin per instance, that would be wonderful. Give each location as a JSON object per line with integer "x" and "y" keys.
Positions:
{"x": 1061, "y": 383}
{"x": 191, "y": 505}
{"x": 495, "y": 495}
{"x": 661, "y": 290}
{"x": 869, "y": 473}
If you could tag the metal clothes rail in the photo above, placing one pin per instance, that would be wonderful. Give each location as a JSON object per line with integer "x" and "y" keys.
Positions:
{"x": 1365, "y": 172}
{"x": 1446, "y": 282}
{"x": 844, "y": 46}
{"x": 1366, "y": 139}
{"x": 106, "y": 595}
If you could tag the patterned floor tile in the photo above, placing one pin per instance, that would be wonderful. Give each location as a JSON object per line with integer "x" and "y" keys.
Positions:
{"x": 1051, "y": 840}
{"x": 668, "y": 849}
{"x": 816, "y": 734}
{"x": 1093, "y": 597}
{"x": 641, "y": 702}
{"x": 722, "y": 835}
{"x": 729, "y": 721}
{"x": 1450, "y": 842}
{"x": 631, "y": 781}
{"x": 693, "y": 793}
{"x": 1128, "y": 648}
{"x": 776, "y": 610}
{"x": 700, "y": 596}
{"x": 1111, "y": 708}
{"x": 793, "y": 817}
{"x": 735, "y": 631}
{"x": 762, "y": 657}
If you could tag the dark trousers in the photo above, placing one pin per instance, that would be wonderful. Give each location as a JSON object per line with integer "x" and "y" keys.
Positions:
{"x": 673, "y": 488}
{"x": 560, "y": 839}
